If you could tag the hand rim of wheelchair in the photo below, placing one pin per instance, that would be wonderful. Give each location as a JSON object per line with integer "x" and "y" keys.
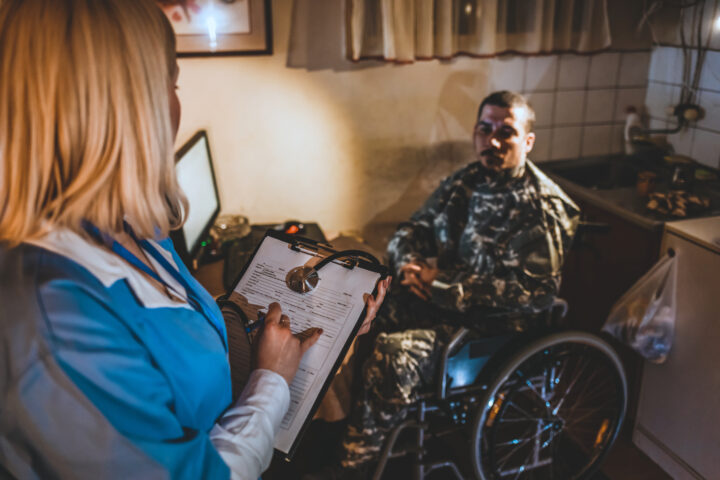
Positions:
{"x": 552, "y": 429}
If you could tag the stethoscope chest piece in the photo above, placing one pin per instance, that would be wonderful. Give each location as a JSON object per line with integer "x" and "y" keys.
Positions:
{"x": 302, "y": 279}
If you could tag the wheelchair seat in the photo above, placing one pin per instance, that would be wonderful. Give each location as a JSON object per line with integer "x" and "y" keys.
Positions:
{"x": 532, "y": 405}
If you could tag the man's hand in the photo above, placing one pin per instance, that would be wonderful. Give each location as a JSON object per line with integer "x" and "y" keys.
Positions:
{"x": 278, "y": 349}
{"x": 417, "y": 276}
{"x": 373, "y": 305}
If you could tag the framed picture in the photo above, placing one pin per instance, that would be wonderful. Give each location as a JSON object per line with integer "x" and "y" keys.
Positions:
{"x": 220, "y": 27}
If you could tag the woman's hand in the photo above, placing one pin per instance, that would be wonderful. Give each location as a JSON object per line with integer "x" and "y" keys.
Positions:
{"x": 373, "y": 305}
{"x": 278, "y": 349}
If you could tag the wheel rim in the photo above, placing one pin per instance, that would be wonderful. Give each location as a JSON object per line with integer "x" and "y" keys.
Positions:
{"x": 553, "y": 415}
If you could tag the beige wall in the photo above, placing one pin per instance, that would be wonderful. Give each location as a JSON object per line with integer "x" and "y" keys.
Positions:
{"x": 306, "y": 134}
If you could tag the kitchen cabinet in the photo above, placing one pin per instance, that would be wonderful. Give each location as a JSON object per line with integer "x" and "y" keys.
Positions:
{"x": 678, "y": 417}
{"x": 599, "y": 269}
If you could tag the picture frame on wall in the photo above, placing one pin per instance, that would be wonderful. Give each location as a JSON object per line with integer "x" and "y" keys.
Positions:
{"x": 220, "y": 27}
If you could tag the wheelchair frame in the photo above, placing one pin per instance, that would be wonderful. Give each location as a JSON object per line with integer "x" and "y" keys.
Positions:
{"x": 454, "y": 402}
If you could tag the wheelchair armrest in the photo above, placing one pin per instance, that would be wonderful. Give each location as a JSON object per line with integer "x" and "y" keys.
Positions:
{"x": 456, "y": 339}
{"x": 558, "y": 309}
{"x": 553, "y": 312}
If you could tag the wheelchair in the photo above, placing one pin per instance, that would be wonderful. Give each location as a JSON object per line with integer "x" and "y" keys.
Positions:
{"x": 544, "y": 403}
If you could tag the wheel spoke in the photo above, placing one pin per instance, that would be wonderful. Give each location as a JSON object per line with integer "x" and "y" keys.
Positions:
{"x": 522, "y": 466}
{"x": 562, "y": 406}
{"x": 519, "y": 444}
{"x": 510, "y": 403}
{"x": 543, "y": 401}
{"x": 572, "y": 384}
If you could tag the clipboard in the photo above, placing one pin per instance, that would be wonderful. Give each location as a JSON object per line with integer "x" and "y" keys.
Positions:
{"x": 336, "y": 304}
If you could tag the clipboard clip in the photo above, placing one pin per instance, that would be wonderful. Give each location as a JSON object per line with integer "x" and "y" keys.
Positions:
{"x": 304, "y": 279}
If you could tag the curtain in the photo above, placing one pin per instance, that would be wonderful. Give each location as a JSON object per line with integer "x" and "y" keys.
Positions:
{"x": 407, "y": 30}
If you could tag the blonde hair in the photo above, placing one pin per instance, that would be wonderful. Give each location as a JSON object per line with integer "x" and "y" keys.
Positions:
{"x": 85, "y": 129}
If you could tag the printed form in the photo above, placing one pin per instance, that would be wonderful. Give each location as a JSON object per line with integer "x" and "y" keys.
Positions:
{"x": 335, "y": 306}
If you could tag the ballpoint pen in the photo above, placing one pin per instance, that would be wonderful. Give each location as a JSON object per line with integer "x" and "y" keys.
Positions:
{"x": 256, "y": 324}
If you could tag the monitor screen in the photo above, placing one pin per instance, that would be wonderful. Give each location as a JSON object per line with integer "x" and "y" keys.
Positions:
{"x": 197, "y": 179}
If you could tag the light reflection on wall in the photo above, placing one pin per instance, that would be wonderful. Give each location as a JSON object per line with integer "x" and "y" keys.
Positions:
{"x": 282, "y": 149}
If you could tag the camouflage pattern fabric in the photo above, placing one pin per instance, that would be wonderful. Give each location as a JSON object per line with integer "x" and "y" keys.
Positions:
{"x": 499, "y": 242}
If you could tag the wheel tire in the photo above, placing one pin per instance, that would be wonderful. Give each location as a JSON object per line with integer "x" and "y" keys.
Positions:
{"x": 495, "y": 426}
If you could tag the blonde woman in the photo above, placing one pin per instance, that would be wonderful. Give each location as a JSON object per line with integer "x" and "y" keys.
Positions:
{"x": 114, "y": 360}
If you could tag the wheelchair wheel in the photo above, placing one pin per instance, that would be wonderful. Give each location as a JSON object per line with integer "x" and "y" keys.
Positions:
{"x": 552, "y": 413}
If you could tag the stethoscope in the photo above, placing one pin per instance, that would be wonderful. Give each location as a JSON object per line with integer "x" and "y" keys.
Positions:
{"x": 305, "y": 278}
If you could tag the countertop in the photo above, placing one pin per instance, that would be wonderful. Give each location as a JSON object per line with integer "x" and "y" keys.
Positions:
{"x": 622, "y": 200}
{"x": 703, "y": 231}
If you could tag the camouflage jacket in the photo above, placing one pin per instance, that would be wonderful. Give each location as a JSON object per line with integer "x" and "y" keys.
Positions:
{"x": 498, "y": 241}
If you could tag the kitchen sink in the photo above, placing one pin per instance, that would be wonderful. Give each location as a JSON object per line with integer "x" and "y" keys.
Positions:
{"x": 611, "y": 181}
{"x": 602, "y": 173}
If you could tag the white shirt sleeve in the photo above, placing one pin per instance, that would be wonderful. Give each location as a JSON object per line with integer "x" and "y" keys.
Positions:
{"x": 245, "y": 434}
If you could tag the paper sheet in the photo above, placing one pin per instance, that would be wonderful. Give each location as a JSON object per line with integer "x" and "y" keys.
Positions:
{"x": 335, "y": 306}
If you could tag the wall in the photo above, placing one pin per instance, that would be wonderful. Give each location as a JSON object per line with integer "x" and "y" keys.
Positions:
{"x": 700, "y": 139}
{"x": 306, "y": 134}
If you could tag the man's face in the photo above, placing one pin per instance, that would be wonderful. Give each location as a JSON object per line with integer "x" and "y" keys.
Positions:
{"x": 500, "y": 138}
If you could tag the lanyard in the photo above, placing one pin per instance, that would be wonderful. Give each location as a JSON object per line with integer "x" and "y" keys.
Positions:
{"x": 127, "y": 255}
{"x": 196, "y": 303}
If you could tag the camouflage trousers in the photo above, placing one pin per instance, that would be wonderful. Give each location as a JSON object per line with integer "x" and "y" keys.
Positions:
{"x": 403, "y": 362}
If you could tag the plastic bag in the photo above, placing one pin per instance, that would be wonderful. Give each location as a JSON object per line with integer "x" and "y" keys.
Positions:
{"x": 644, "y": 318}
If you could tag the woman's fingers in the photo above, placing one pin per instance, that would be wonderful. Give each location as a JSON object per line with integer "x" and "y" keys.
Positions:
{"x": 371, "y": 311}
{"x": 373, "y": 305}
{"x": 308, "y": 338}
{"x": 278, "y": 349}
{"x": 274, "y": 313}
{"x": 383, "y": 287}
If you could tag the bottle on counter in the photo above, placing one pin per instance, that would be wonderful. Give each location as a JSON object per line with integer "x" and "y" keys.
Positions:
{"x": 633, "y": 129}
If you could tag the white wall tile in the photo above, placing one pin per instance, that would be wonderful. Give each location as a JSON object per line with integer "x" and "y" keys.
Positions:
{"x": 507, "y": 73}
{"x": 569, "y": 107}
{"x": 600, "y": 106}
{"x": 543, "y": 104}
{"x": 682, "y": 141}
{"x": 604, "y": 70}
{"x": 706, "y": 148}
{"x": 660, "y": 97}
{"x": 657, "y": 124}
{"x": 710, "y": 102}
{"x": 710, "y": 78}
{"x": 541, "y": 150}
{"x": 634, "y": 69}
{"x": 565, "y": 143}
{"x": 573, "y": 71}
{"x": 627, "y": 97}
{"x": 541, "y": 73}
{"x": 666, "y": 65}
{"x": 596, "y": 140}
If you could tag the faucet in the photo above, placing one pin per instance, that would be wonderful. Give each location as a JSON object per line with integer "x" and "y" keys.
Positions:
{"x": 684, "y": 113}
{"x": 636, "y": 134}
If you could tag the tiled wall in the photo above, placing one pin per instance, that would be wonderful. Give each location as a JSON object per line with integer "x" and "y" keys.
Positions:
{"x": 701, "y": 140}
{"x": 579, "y": 99}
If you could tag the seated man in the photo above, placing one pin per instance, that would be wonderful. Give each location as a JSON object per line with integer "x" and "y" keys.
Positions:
{"x": 494, "y": 234}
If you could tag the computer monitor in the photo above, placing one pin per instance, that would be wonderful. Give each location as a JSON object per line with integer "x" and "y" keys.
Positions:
{"x": 196, "y": 177}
